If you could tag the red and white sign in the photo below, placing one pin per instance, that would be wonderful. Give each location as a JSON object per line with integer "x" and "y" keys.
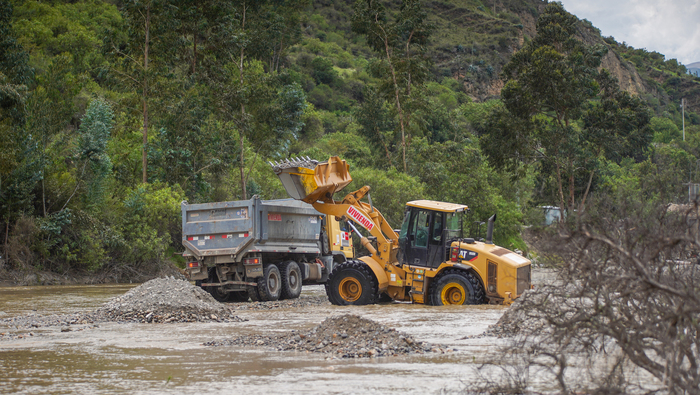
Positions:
{"x": 274, "y": 217}
{"x": 360, "y": 218}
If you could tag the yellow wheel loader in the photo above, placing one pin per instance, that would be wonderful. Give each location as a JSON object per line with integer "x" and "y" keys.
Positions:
{"x": 429, "y": 261}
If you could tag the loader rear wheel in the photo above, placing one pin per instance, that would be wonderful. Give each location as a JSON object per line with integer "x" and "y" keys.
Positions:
{"x": 352, "y": 283}
{"x": 270, "y": 285}
{"x": 290, "y": 277}
{"x": 456, "y": 287}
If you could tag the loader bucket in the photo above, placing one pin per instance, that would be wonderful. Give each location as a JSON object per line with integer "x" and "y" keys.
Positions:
{"x": 309, "y": 181}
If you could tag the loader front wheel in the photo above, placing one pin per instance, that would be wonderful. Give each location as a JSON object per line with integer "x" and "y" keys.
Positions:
{"x": 352, "y": 283}
{"x": 456, "y": 287}
{"x": 270, "y": 285}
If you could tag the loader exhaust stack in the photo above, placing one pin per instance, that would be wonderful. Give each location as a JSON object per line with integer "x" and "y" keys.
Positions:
{"x": 308, "y": 180}
{"x": 489, "y": 231}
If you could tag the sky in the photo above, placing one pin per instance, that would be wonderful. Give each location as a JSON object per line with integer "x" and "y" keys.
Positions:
{"x": 670, "y": 27}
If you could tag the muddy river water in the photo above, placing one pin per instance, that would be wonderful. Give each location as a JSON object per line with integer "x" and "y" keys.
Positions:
{"x": 170, "y": 358}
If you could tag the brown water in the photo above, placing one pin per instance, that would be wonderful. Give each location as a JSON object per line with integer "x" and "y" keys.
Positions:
{"x": 170, "y": 358}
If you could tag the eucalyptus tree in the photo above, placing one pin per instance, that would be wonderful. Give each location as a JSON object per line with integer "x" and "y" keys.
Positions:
{"x": 402, "y": 63}
{"x": 148, "y": 23}
{"x": 615, "y": 126}
{"x": 260, "y": 105}
{"x": 549, "y": 84}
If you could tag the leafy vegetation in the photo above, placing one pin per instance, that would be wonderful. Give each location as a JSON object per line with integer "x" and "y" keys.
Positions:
{"x": 113, "y": 112}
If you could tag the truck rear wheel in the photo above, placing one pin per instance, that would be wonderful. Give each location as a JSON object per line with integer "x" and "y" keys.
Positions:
{"x": 290, "y": 276}
{"x": 456, "y": 287}
{"x": 352, "y": 283}
{"x": 216, "y": 292}
{"x": 270, "y": 284}
{"x": 238, "y": 296}
{"x": 253, "y": 293}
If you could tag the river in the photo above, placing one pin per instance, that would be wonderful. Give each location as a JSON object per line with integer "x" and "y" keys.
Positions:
{"x": 170, "y": 358}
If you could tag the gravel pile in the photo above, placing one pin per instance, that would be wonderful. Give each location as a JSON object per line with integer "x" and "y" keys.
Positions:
{"x": 165, "y": 300}
{"x": 346, "y": 336}
{"x": 162, "y": 300}
{"x": 527, "y": 313}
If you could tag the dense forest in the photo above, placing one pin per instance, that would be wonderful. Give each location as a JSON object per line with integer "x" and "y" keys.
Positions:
{"x": 113, "y": 112}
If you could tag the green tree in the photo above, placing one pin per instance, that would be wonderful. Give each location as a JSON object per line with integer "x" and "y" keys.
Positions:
{"x": 148, "y": 23}
{"x": 93, "y": 136}
{"x": 377, "y": 126}
{"x": 50, "y": 109}
{"x": 192, "y": 147}
{"x": 20, "y": 162}
{"x": 665, "y": 130}
{"x": 548, "y": 85}
{"x": 402, "y": 64}
{"x": 264, "y": 108}
{"x": 616, "y": 126}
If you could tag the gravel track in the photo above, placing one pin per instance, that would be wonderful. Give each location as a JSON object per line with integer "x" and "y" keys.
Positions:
{"x": 345, "y": 336}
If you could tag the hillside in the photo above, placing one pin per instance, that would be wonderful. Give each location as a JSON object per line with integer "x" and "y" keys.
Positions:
{"x": 473, "y": 40}
{"x": 117, "y": 111}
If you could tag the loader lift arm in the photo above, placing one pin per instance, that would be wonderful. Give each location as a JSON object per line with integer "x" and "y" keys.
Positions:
{"x": 369, "y": 218}
{"x": 315, "y": 183}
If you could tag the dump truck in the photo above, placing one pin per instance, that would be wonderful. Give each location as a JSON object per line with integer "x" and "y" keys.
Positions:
{"x": 430, "y": 260}
{"x": 262, "y": 250}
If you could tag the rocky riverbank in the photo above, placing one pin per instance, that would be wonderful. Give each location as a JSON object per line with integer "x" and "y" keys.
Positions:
{"x": 161, "y": 300}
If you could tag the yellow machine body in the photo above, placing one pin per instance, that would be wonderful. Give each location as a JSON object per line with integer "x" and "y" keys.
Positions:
{"x": 339, "y": 238}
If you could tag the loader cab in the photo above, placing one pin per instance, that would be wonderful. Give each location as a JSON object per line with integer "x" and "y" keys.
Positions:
{"x": 428, "y": 229}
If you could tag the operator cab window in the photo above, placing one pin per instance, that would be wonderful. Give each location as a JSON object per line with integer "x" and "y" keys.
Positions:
{"x": 436, "y": 237}
{"x": 421, "y": 226}
{"x": 453, "y": 226}
{"x": 404, "y": 227}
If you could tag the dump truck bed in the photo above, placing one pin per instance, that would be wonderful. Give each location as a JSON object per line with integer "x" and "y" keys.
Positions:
{"x": 238, "y": 227}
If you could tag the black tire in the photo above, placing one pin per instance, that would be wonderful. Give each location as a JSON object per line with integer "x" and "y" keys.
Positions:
{"x": 253, "y": 293}
{"x": 325, "y": 243}
{"x": 352, "y": 283}
{"x": 238, "y": 296}
{"x": 216, "y": 292}
{"x": 454, "y": 286}
{"x": 291, "y": 278}
{"x": 270, "y": 284}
